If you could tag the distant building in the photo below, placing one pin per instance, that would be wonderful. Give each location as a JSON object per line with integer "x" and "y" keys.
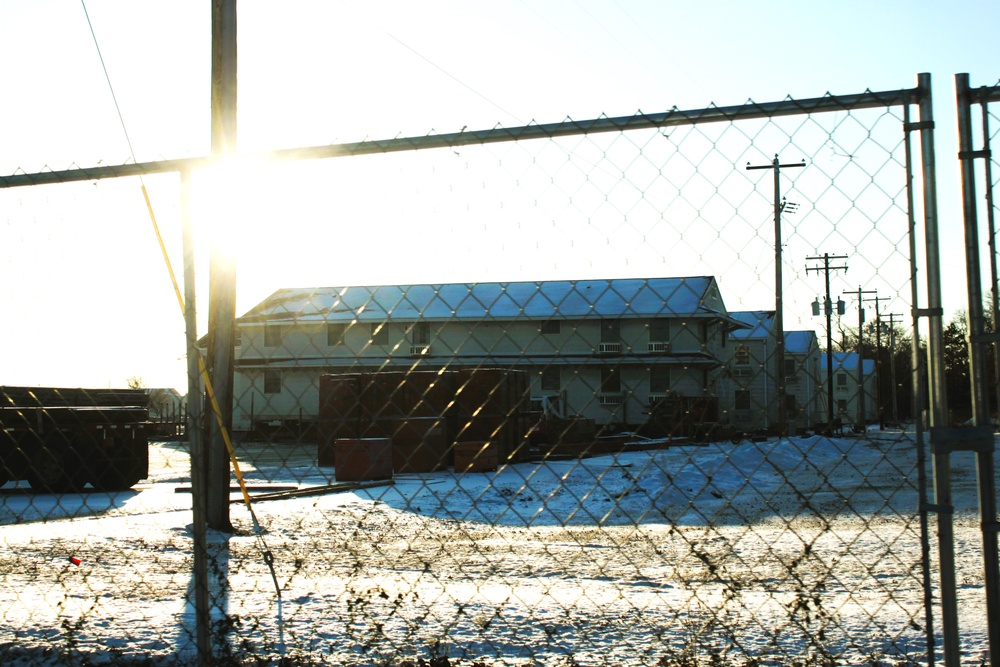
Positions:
{"x": 753, "y": 374}
{"x": 802, "y": 379}
{"x": 846, "y": 396}
{"x": 165, "y": 402}
{"x": 602, "y": 349}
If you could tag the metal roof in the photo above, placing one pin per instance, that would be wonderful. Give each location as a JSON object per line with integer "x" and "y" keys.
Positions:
{"x": 848, "y": 361}
{"x": 627, "y": 297}
{"x": 760, "y": 324}
{"x": 799, "y": 342}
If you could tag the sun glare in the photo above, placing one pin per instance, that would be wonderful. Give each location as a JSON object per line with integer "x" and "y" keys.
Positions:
{"x": 227, "y": 204}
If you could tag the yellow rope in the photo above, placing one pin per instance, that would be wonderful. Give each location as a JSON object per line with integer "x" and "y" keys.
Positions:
{"x": 268, "y": 557}
{"x": 216, "y": 410}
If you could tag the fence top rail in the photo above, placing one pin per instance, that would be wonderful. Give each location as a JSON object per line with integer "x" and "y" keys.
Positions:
{"x": 674, "y": 117}
{"x": 985, "y": 94}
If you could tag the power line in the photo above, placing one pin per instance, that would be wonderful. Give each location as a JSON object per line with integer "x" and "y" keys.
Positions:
{"x": 107, "y": 78}
{"x": 440, "y": 68}
{"x": 658, "y": 43}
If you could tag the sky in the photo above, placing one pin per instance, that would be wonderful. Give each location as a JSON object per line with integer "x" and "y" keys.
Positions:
{"x": 87, "y": 287}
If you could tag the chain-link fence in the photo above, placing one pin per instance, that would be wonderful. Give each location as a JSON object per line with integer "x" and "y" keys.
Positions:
{"x": 598, "y": 392}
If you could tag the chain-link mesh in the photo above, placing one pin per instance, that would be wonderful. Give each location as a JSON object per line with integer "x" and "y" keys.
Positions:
{"x": 502, "y": 402}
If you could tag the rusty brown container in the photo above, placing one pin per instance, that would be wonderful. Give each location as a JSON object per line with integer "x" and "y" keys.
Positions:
{"x": 408, "y": 394}
{"x": 340, "y": 413}
{"x": 383, "y": 395}
{"x": 429, "y": 393}
{"x": 476, "y": 456}
{"x": 491, "y": 404}
{"x": 362, "y": 459}
{"x": 325, "y": 455}
{"x": 340, "y": 394}
{"x": 419, "y": 444}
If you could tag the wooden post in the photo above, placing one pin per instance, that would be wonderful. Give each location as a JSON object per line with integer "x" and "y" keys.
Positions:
{"x": 222, "y": 270}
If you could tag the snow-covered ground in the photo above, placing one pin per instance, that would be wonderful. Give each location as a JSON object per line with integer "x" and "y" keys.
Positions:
{"x": 799, "y": 551}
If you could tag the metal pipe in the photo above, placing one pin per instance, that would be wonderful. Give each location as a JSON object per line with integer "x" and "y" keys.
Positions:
{"x": 977, "y": 363}
{"x": 919, "y": 395}
{"x": 980, "y": 408}
{"x": 672, "y": 118}
{"x": 991, "y": 230}
{"x": 195, "y": 432}
{"x": 937, "y": 387}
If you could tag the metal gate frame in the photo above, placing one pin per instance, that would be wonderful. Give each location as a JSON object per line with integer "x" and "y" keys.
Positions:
{"x": 979, "y": 337}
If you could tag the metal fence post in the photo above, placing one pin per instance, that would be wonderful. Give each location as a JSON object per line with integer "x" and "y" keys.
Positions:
{"x": 937, "y": 392}
{"x": 977, "y": 361}
{"x": 919, "y": 393}
{"x": 195, "y": 433}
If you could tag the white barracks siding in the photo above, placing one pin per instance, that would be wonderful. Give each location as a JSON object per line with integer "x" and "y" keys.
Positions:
{"x": 754, "y": 375}
{"x": 603, "y": 348}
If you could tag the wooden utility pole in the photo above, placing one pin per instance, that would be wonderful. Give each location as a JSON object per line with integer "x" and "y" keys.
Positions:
{"x": 892, "y": 364}
{"x": 779, "y": 315}
{"x": 878, "y": 360}
{"x": 860, "y": 426}
{"x": 222, "y": 271}
{"x": 828, "y": 306}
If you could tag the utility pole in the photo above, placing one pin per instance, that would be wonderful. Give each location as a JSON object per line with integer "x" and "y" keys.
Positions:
{"x": 892, "y": 363}
{"x": 878, "y": 359}
{"x": 779, "y": 315}
{"x": 828, "y": 304}
{"x": 861, "y": 365}
{"x": 222, "y": 272}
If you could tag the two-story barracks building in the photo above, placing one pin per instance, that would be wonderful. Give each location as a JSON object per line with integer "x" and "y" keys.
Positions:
{"x": 603, "y": 349}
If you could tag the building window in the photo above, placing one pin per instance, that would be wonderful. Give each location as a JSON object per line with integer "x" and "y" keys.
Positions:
{"x": 611, "y": 331}
{"x": 272, "y": 335}
{"x": 841, "y": 379}
{"x": 611, "y": 380}
{"x": 549, "y": 327}
{"x": 420, "y": 334}
{"x": 791, "y": 408}
{"x": 335, "y": 332}
{"x": 742, "y": 400}
{"x": 551, "y": 379}
{"x": 842, "y": 405}
{"x": 272, "y": 382}
{"x": 380, "y": 334}
{"x": 791, "y": 376}
{"x": 741, "y": 355}
{"x": 659, "y": 380}
{"x": 659, "y": 330}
